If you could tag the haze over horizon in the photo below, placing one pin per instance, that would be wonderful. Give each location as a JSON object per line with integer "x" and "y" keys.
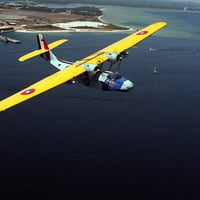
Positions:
{"x": 153, "y": 3}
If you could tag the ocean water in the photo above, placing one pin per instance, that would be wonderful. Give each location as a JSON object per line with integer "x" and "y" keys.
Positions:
{"x": 81, "y": 143}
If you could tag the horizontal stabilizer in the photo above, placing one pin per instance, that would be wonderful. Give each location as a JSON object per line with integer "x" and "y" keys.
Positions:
{"x": 41, "y": 51}
{"x": 56, "y": 43}
{"x": 32, "y": 54}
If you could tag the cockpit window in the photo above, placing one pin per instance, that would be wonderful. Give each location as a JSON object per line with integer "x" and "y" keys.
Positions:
{"x": 114, "y": 76}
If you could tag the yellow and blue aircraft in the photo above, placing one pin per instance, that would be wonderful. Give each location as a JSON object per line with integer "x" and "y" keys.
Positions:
{"x": 89, "y": 70}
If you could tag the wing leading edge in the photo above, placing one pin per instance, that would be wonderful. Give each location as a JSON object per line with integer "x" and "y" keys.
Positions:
{"x": 44, "y": 85}
{"x": 76, "y": 69}
{"x": 125, "y": 43}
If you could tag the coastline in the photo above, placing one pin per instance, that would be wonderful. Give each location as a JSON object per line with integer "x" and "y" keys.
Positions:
{"x": 41, "y": 21}
{"x": 81, "y": 26}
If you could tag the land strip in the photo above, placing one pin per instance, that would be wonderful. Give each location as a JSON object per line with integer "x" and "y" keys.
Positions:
{"x": 33, "y": 20}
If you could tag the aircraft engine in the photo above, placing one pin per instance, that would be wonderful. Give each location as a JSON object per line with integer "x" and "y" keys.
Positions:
{"x": 113, "y": 57}
{"x": 90, "y": 67}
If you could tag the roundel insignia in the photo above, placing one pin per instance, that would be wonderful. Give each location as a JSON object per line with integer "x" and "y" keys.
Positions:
{"x": 142, "y": 33}
{"x": 29, "y": 91}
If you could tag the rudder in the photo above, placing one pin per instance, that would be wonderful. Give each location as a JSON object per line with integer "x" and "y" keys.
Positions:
{"x": 43, "y": 45}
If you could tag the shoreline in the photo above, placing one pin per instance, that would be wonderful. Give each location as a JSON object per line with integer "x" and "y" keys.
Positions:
{"x": 41, "y": 21}
{"x": 81, "y": 26}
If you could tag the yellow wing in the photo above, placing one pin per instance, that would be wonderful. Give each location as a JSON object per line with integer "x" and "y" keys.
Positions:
{"x": 75, "y": 69}
{"x": 125, "y": 43}
{"x": 42, "y": 86}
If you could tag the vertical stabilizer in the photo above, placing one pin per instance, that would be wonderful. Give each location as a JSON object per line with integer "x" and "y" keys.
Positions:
{"x": 48, "y": 55}
{"x": 42, "y": 42}
{"x": 45, "y": 52}
{"x": 44, "y": 49}
{"x": 43, "y": 45}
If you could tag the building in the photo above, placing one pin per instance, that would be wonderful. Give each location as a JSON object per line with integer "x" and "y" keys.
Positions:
{"x": 5, "y": 29}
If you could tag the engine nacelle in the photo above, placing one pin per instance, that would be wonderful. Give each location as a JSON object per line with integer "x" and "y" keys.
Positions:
{"x": 113, "y": 57}
{"x": 90, "y": 67}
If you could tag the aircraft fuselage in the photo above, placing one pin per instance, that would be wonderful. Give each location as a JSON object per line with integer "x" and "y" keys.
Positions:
{"x": 106, "y": 80}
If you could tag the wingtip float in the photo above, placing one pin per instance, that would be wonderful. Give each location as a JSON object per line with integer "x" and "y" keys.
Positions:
{"x": 90, "y": 68}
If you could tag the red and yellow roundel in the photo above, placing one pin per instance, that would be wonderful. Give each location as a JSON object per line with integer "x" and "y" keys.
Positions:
{"x": 28, "y": 91}
{"x": 142, "y": 33}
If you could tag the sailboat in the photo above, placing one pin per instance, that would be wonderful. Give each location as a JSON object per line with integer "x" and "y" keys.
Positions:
{"x": 155, "y": 71}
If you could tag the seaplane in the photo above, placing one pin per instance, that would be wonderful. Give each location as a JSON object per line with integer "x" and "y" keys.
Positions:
{"x": 88, "y": 70}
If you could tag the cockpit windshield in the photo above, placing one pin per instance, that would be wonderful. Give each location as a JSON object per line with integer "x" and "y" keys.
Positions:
{"x": 114, "y": 76}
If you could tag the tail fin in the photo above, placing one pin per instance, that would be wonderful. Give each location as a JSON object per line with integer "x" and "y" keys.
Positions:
{"x": 42, "y": 42}
{"x": 43, "y": 45}
{"x": 44, "y": 48}
{"x": 45, "y": 52}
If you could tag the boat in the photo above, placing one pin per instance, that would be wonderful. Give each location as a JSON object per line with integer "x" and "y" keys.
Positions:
{"x": 155, "y": 71}
{"x": 7, "y": 39}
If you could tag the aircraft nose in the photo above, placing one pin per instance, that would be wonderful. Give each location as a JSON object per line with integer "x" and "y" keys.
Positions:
{"x": 127, "y": 85}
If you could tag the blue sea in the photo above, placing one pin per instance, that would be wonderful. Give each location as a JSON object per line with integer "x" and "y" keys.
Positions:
{"x": 75, "y": 142}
